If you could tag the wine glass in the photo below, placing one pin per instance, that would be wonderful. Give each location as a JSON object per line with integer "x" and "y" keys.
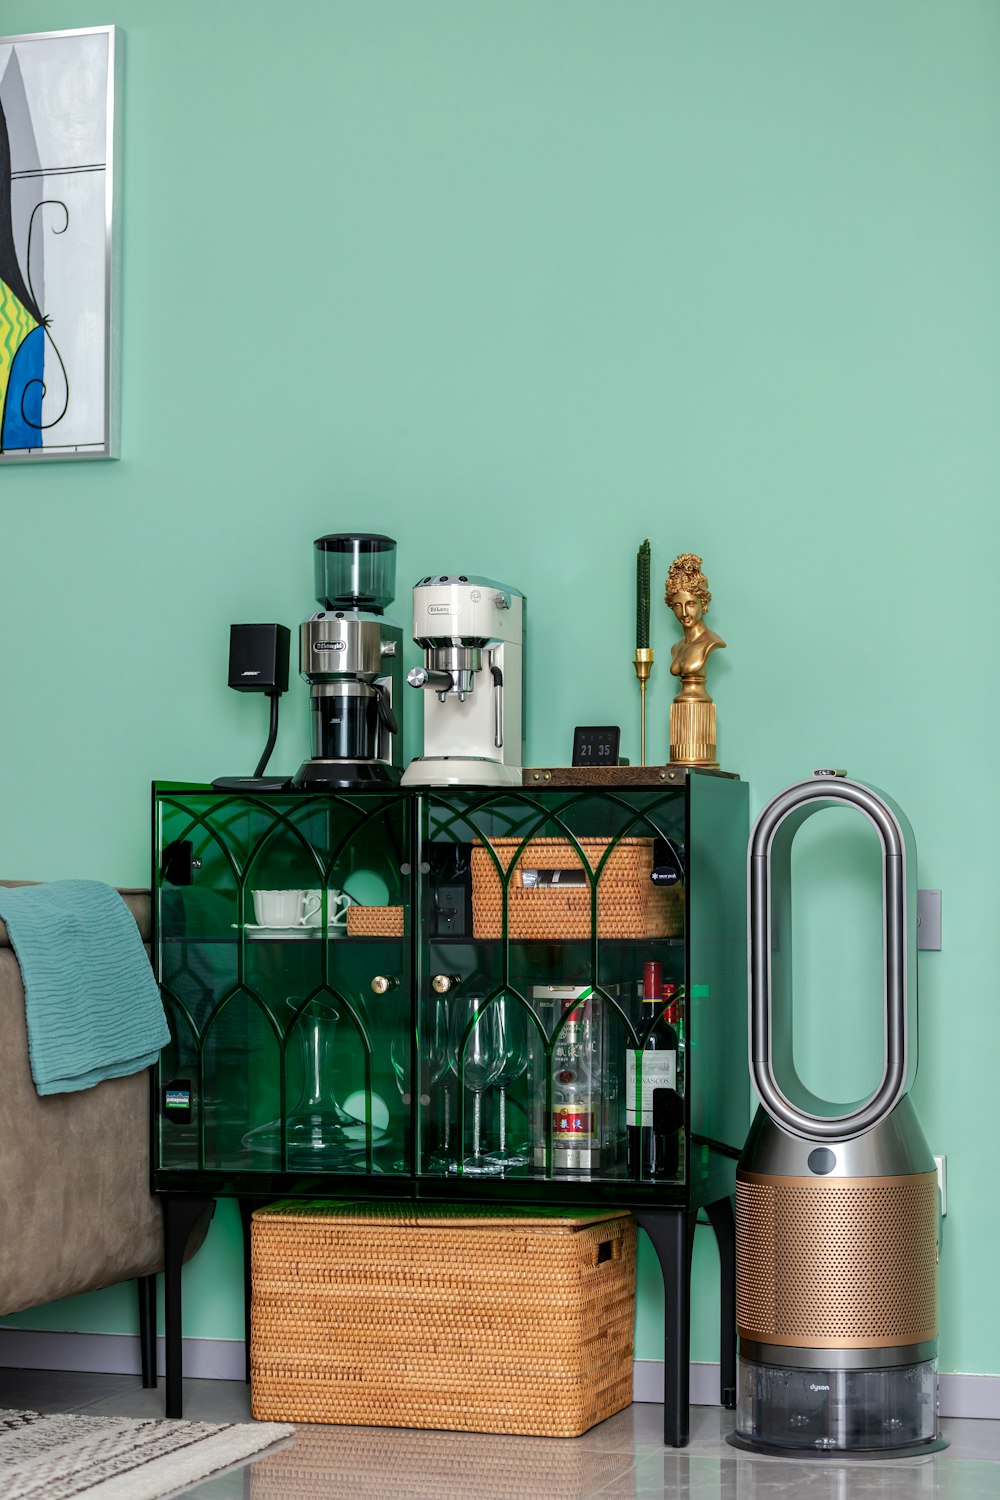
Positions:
{"x": 478, "y": 1054}
{"x": 435, "y": 1055}
{"x": 515, "y": 1031}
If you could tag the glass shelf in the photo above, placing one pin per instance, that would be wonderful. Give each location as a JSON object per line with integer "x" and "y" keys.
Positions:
{"x": 232, "y": 939}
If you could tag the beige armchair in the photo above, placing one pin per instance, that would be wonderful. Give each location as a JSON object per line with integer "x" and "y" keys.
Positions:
{"x": 75, "y": 1200}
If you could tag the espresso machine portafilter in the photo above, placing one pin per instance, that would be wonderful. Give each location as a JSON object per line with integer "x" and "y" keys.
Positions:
{"x": 472, "y": 634}
{"x": 351, "y": 656}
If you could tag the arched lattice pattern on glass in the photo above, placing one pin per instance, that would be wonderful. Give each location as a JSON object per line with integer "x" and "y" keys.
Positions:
{"x": 521, "y": 821}
{"x": 288, "y": 1000}
{"x": 287, "y": 996}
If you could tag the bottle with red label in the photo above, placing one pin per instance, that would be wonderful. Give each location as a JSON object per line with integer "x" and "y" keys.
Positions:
{"x": 572, "y": 1115}
{"x": 654, "y": 1108}
{"x": 673, "y": 1010}
{"x": 569, "y": 1135}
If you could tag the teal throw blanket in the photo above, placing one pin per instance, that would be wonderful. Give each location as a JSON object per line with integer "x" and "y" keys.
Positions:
{"x": 92, "y": 1004}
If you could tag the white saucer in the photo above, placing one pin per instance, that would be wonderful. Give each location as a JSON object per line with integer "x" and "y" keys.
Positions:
{"x": 258, "y": 930}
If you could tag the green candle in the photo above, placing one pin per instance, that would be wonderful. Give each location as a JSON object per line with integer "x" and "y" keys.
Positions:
{"x": 642, "y": 597}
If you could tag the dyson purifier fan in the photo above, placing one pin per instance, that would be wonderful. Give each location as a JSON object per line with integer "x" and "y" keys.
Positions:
{"x": 836, "y": 1213}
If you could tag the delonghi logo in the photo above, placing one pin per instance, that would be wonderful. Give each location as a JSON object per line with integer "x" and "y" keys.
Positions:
{"x": 819, "y": 1387}
{"x": 329, "y": 645}
{"x": 442, "y": 609}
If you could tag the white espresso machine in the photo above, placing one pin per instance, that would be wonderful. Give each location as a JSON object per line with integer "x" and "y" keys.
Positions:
{"x": 472, "y": 633}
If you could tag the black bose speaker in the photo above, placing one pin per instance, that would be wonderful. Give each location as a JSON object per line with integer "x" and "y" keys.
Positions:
{"x": 258, "y": 658}
{"x": 258, "y": 663}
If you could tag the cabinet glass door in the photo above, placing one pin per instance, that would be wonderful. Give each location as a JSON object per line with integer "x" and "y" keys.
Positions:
{"x": 543, "y": 911}
{"x": 283, "y": 953}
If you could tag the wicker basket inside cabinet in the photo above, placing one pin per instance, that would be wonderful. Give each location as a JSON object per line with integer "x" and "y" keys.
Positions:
{"x": 374, "y": 921}
{"x": 540, "y": 908}
{"x": 426, "y": 1315}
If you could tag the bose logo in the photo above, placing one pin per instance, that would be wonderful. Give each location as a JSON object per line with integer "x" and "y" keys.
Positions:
{"x": 249, "y": 674}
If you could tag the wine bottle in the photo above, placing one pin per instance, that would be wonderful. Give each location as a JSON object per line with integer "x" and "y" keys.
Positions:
{"x": 654, "y": 1111}
{"x": 673, "y": 1011}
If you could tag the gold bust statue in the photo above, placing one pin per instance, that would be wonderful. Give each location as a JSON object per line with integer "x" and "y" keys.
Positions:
{"x": 692, "y": 713}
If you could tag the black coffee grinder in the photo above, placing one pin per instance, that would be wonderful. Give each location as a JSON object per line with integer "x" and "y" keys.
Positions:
{"x": 352, "y": 658}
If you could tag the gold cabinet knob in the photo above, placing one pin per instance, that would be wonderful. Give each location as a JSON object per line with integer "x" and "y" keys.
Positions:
{"x": 442, "y": 983}
{"x": 382, "y": 984}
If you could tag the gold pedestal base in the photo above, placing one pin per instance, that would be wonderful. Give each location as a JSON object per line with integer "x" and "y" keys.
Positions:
{"x": 692, "y": 733}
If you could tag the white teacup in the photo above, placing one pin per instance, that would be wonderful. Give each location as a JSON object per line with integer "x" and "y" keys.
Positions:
{"x": 286, "y": 908}
{"x": 337, "y": 903}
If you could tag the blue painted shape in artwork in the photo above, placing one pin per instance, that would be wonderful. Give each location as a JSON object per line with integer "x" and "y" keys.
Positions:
{"x": 23, "y": 405}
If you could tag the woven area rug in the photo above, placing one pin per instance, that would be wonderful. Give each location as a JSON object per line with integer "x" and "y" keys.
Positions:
{"x": 119, "y": 1458}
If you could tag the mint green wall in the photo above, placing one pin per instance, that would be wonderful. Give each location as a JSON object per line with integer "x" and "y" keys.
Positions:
{"x": 521, "y": 283}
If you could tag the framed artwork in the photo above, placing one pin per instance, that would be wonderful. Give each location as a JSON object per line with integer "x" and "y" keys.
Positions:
{"x": 59, "y": 149}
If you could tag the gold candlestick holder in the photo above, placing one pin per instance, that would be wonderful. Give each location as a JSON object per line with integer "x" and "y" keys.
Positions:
{"x": 643, "y": 664}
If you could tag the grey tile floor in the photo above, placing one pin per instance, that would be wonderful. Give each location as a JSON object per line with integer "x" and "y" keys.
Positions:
{"x": 622, "y": 1459}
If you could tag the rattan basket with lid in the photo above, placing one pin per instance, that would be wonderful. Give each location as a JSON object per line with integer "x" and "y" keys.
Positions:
{"x": 544, "y": 910}
{"x": 407, "y": 1315}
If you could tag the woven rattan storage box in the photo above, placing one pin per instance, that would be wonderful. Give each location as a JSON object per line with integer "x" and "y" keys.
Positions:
{"x": 403, "y": 1315}
{"x": 628, "y": 904}
{"x": 374, "y": 921}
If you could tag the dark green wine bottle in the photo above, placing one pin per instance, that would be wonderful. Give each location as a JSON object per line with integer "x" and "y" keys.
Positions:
{"x": 654, "y": 1111}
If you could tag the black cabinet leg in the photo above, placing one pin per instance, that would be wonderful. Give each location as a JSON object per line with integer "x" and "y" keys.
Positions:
{"x": 180, "y": 1214}
{"x": 723, "y": 1222}
{"x": 672, "y": 1234}
{"x": 146, "y": 1288}
{"x": 247, "y": 1206}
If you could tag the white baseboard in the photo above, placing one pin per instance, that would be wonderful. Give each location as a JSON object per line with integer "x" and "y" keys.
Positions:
{"x": 223, "y": 1359}
{"x": 970, "y": 1396}
{"x": 114, "y": 1353}
{"x": 647, "y": 1382}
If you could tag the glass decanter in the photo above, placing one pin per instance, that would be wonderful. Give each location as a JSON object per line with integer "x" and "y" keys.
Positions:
{"x": 319, "y": 1133}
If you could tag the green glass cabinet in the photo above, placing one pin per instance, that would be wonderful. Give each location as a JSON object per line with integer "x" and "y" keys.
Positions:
{"x": 437, "y": 994}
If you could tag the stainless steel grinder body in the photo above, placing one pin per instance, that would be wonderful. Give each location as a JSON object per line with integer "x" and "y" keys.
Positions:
{"x": 836, "y": 1213}
{"x": 352, "y": 656}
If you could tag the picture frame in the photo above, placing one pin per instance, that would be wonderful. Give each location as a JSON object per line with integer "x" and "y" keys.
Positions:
{"x": 60, "y": 159}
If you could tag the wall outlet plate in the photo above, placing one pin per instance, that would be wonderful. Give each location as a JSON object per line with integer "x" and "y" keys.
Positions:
{"x": 929, "y": 920}
{"x": 941, "y": 1162}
